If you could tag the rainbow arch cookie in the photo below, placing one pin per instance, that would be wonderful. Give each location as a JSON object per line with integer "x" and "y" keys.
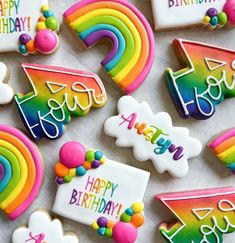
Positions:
{"x": 224, "y": 148}
{"x": 21, "y": 171}
{"x": 132, "y": 54}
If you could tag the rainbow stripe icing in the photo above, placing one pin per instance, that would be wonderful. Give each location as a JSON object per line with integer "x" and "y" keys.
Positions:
{"x": 224, "y": 148}
{"x": 132, "y": 54}
{"x": 202, "y": 215}
{"x": 58, "y": 93}
{"x": 21, "y": 172}
{"x": 205, "y": 81}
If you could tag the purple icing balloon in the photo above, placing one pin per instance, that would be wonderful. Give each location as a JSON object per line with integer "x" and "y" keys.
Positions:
{"x": 24, "y": 38}
{"x": 212, "y": 12}
{"x": 102, "y": 222}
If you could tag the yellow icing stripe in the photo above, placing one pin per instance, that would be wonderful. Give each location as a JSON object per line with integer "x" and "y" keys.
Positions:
{"x": 23, "y": 173}
{"x": 110, "y": 12}
{"x": 226, "y": 153}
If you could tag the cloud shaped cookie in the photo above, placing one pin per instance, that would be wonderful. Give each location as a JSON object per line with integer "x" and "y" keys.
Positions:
{"x": 42, "y": 229}
{"x": 152, "y": 136}
{"x": 6, "y": 92}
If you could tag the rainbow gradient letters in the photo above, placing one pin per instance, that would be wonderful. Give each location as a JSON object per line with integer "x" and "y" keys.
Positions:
{"x": 207, "y": 78}
{"x": 58, "y": 93}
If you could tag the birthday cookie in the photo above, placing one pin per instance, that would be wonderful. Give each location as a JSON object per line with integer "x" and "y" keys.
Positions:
{"x": 224, "y": 148}
{"x": 91, "y": 186}
{"x": 125, "y": 230}
{"x": 27, "y": 28}
{"x": 132, "y": 54}
{"x": 21, "y": 172}
{"x": 6, "y": 92}
{"x": 174, "y": 14}
{"x": 201, "y": 216}
{"x": 205, "y": 80}
{"x": 58, "y": 93}
{"x": 152, "y": 136}
{"x": 42, "y": 229}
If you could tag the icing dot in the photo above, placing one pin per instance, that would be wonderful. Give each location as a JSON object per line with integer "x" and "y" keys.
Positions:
{"x": 90, "y": 155}
{"x": 24, "y": 38}
{"x": 124, "y": 233}
{"x": 109, "y": 232}
{"x": 95, "y": 226}
{"x": 137, "y": 207}
{"x": 102, "y": 222}
{"x": 40, "y": 26}
{"x": 59, "y": 180}
{"x": 52, "y": 23}
{"x": 212, "y": 12}
{"x": 42, "y": 19}
{"x": 87, "y": 165}
{"x": 129, "y": 211}
{"x": 23, "y": 49}
{"x": 68, "y": 179}
{"x": 110, "y": 224}
{"x": 61, "y": 170}
{"x": 222, "y": 18}
{"x": 80, "y": 171}
{"x": 214, "y": 21}
{"x": 125, "y": 217}
{"x": 44, "y": 8}
{"x": 30, "y": 45}
{"x": 46, "y": 41}
{"x": 137, "y": 220}
{"x": 98, "y": 155}
{"x": 48, "y": 13}
{"x": 101, "y": 231}
{"x": 229, "y": 9}
{"x": 102, "y": 160}
{"x": 72, "y": 154}
{"x": 95, "y": 164}
{"x": 207, "y": 19}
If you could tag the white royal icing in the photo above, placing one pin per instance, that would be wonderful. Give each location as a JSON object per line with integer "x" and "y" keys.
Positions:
{"x": 18, "y": 17}
{"x": 6, "y": 92}
{"x": 170, "y": 14}
{"x": 41, "y": 229}
{"x": 136, "y": 126}
{"x": 108, "y": 191}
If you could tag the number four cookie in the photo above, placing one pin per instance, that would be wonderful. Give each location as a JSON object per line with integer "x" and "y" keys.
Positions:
{"x": 6, "y": 92}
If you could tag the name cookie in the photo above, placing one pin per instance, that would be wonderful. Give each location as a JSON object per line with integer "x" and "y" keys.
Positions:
{"x": 224, "y": 148}
{"x": 173, "y": 14}
{"x": 42, "y": 229}
{"x": 152, "y": 136}
{"x": 27, "y": 28}
{"x": 206, "y": 79}
{"x": 132, "y": 54}
{"x": 6, "y": 92}
{"x": 91, "y": 186}
{"x": 202, "y": 215}
{"x": 57, "y": 94}
{"x": 21, "y": 172}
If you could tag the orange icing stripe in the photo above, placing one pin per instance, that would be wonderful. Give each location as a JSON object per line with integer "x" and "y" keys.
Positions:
{"x": 225, "y": 145}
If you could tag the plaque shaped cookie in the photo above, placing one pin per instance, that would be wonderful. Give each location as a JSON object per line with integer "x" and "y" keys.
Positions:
{"x": 91, "y": 186}
{"x": 152, "y": 136}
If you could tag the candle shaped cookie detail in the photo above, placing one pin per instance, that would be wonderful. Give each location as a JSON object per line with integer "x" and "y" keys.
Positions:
{"x": 152, "y": 136}
{"x": 206, "y": 79}
{"x": 202, "y": 215}
{"x": 132, "y": 54}
{"x": 21, "y": 171}
{"x": 58, "y": 93}
{"x": 91, "y": 186}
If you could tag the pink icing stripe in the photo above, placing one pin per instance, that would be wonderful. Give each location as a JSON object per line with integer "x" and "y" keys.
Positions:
{"x": 140, "y": 79}
{"x": 39, "y": 170}
{"x": 222, "y": 138}
{"x": 95, "y": 36}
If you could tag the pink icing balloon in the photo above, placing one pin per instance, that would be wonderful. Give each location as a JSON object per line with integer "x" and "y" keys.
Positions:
{"x": 124, "y": 233}
{"x": 72, "y": 154}
{"x": 229, "y": 9}
{"x": 46, "y": 41}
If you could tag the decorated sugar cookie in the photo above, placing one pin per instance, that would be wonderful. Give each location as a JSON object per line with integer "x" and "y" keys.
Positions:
{"x": 27, "y": 28}
{"x": 57, "y": 94}
{"x": 42, "y": 229}
{"x": 224, "y": 148}
{"x": 152, "y": 136}
{"x": 202, "y": 215}
{"x": 6, "y": 92}
{"x": 21, "y": 172}
{"x": 173, "y": 14}
{"x": 132, "y": 54}
{"x": 205, "y": 80}
{"x": 124, "y": 231}
{"x": 91, "y": 186}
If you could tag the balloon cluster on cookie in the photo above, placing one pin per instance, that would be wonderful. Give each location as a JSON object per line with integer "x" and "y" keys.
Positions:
{"x": 46, "y": 40}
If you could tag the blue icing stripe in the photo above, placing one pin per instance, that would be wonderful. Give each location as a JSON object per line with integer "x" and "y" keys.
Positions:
{"x": 231, "y": 166}
{"x": 8, "y": 173}
{"x": 122, "y": 43}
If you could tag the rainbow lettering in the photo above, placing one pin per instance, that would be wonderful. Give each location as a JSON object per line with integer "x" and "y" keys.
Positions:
{"x": 203, "y": 215}
{"x": 58, "y": 93}
{"x": 205, "y": 81}
{"x": 21, "y": 171}
{"x": 224, "y": 148}
{"x": 131, "y": 57}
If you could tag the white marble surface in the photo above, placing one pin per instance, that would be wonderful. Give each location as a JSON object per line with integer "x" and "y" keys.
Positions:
{"x": 205, "y": 170}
